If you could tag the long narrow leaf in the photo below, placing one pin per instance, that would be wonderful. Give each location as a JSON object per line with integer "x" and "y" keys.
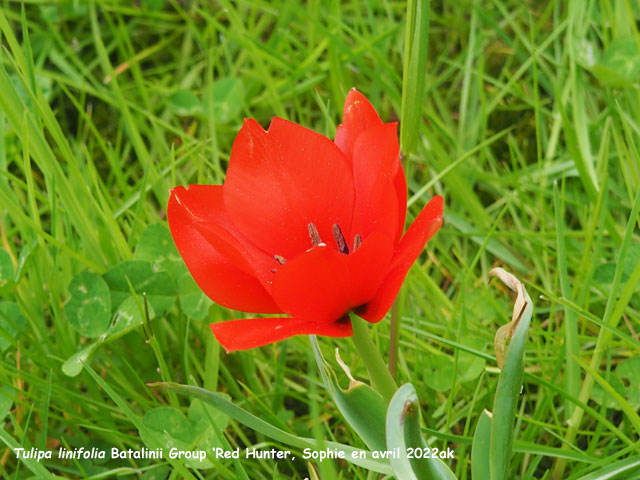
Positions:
{"x": 415, "y": 66}
{"x": 362, "y": 407}
{"x": 356, "y": 456}
{"x": 509, "y": 383}
{"x": 404, "y": 440}
{"x": 480, "y": 467}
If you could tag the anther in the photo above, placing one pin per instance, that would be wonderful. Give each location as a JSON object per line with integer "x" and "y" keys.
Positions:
{"x": 337, "y": 234}
{"x": 281, "y": 260}
{"x": 313, "y": 233}
{"x": 357, "y": 241}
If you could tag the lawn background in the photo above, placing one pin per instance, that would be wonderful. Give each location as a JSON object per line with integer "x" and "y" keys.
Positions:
{"x": 529, "y": 129}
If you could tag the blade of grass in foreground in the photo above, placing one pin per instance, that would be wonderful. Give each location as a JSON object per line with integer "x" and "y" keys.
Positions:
{"x": 353, "y": 455}
{"x": 572, "y": 374}
{"x": 32, "y": 464}
{"x": 616, "y": 303}
{"x": 414, "y": 71}
{"x": 136, "y": 420}
{"x": 413, "y": 78}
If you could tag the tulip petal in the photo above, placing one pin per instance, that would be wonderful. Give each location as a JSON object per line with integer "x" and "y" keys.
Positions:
{"x": 218, "y": 276}
{"x": 255, "y": 332}
{"x": 411, "y": 244}
{"x": 376, "y": 165}
{"x": 359, "y": 115}
{"x": 323, "y": 285}
{"x": 281, "y": 180}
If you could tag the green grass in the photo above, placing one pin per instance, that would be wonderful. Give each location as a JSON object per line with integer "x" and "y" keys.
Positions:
{"x": 528, "y": 128}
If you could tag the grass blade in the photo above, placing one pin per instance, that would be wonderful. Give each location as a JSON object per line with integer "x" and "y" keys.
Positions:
{"x": 415, "y": 66}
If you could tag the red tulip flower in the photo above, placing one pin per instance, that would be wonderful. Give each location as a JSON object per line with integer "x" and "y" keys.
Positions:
{"x": 304, "y": 227}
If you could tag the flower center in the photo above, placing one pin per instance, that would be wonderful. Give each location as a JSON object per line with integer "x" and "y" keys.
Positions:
{"x": 316, "y": 240}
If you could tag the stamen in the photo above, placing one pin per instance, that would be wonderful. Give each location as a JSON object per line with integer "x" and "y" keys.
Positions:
{"x": 337, "y": 234}
{"x": 357, "y": 241}
{"x": 313, "y": 233}
{"x": 281, "y": 260}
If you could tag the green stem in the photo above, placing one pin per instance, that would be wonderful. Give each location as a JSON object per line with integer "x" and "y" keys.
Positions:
{"x": 394, "y": 338}
{"x": 381, "y": 378}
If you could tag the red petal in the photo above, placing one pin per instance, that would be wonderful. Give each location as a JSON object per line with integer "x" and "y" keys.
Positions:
{"x": 359, "y": 115}
{"x": 323, "y": 285}
{"x": 410, "y": 246}
{"x": 217, "y": 275}
{"x": 375, "y": 167}
{"x": 256, "y": 332}
{"x": 281, "y": 180}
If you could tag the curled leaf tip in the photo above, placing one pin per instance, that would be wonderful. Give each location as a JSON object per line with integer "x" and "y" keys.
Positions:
{"x": 347, "y": 371}
{"x": 505, "y": 332}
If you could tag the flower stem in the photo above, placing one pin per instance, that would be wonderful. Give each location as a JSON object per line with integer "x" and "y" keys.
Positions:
{"x": 381, "y": 378}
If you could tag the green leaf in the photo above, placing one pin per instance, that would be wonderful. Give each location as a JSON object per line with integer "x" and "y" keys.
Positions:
{"x": 7, "y": 394}
{"x": 54, "y": 13}
{"x": 25, "y": 257}
{"x": 156, "y": 246}
{"x": 177, "y": 464}
{"x": 89, "y": 308}
{"x": 128, "y": 316}
{"x": 227, "y": 95}
{"x": 170, "y": 425}
{"x": 11, "y": 322}
{"x": 403, "y": 433}
{"x": 185, "y": 103}
{"x": 508, "y": 390}
{"x": 439, "y": 368}
{"x": 153, "y": 5}
{"x": 615, "y": 470}
{"x": 160, "y": 288}
{"x": 604, "y": 273}
{"x": 619, "y": 65}
{"x": 195, "y": 305}
{"x": 414, "y": 72}
{"x": 438, "y": 372}
{"x": 362, "y": 407}
{"x": 193, "y": 302}
{"x": 207, "y": 424}
{"x": 356, "y": 456}
{"x": 171, "y": 429}
{"x": 470, "y": 366}
{"x": 628, "y": 371}
{"x": 480, "y": 467}
{"x": 7, "y": 273}
{"x": 32, "y": 464}
{"x": 601, "y": 397}
{"x": 75, "y": 363}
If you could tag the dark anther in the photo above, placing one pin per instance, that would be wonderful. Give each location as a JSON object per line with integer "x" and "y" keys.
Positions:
{"x": 337, "y": 234}
{"x": 357, "y": 241}
{"x": 313, "y": 233}
{"x": 281, "y": 260}
{"x": 274, "y": 270}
